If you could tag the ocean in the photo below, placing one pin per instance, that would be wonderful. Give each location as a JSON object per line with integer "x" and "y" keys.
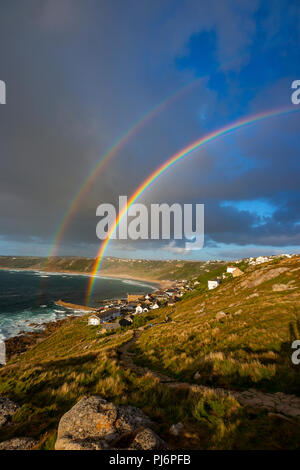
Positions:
{"x": 27, "y": 298}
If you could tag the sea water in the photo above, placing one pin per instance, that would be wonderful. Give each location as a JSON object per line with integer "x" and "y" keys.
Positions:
{"x": 27, "y": 298}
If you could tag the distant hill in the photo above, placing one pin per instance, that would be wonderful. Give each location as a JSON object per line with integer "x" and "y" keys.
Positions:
{"x": 131, "y": 268}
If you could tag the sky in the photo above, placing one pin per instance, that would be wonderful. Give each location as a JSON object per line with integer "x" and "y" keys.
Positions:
{"x": 79, "y": 73}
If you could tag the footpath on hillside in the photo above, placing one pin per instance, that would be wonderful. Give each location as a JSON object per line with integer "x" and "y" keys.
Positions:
{"x": 280, "y": 404}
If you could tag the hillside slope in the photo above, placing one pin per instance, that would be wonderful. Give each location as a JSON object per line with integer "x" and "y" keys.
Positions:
{"x": 236, "y": 337}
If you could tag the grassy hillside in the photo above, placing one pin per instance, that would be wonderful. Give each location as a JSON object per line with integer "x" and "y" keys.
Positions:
{"x": 140, "y": 269}
{"x": 248, "y": 347}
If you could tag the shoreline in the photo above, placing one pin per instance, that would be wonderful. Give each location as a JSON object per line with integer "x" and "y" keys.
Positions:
{"x": 19, "y": 344}
{"x": 22, "y": 340}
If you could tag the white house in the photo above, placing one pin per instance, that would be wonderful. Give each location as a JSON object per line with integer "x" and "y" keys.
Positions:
{"x": 154, "y": 306}
{"x": 139, "y": 309}
{"x": 169, "y": 293}
{"x": 262, "y": 259}
{"x": 213, "y": 284}
{"x": 94, "y": 320}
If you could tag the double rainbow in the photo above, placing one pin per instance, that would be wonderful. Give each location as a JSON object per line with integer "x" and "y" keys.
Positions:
{"x": 170, "y": 162}
{"x": 111, "y": 152}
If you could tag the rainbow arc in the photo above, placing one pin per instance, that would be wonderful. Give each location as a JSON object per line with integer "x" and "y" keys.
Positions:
{"x": 186, "y": 151}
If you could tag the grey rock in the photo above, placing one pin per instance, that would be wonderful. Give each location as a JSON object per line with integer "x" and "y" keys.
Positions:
{"x": 258, "y": 277}
{"x": 147, "y": 439}
{"x": 176, "y": 429}
{"x": 95, "y": 424}
{"x": 282, "y": 287}
{"x": 238, "y": 312}
{"x": 18, "y": 443}
{"x": 220, "y": 315}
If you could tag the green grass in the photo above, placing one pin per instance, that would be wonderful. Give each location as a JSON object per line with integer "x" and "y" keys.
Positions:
{"x": 251, "y": 349}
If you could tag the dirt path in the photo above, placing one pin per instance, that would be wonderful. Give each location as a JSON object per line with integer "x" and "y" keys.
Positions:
{"x": 279, "y": 404}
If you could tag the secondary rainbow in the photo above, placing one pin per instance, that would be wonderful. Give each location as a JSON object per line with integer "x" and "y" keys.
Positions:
{"x": 111, "y": 152}
{"x": 170, "y": 162}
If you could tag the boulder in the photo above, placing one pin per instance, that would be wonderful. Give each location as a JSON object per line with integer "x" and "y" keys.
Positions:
{"x": 147, "y": 439}
{"x": 238, "y": 312}
{"x": 95, "y": 424}
{"x": 255, "y": 294}
{"x": 18, "y": 443}
{"x": 7, "y": 410}
{"x": 176, "y": 429}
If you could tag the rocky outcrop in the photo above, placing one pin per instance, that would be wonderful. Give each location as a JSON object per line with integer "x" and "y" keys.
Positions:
{"x": 95, "y": 424}
{"x": 176, "y": 429}
{"x": 258, "y": 277}
{"x": 283, "y": 287}
{"x": 280, "y": 403}
{"x": 220, "y": 315}
{"x": 147, "y": 439}
{"x": 18, "y": 443}
{"x": 7, "y": 410}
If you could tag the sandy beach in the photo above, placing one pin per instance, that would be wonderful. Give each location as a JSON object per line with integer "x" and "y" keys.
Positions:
{"x": 162, "y": 284}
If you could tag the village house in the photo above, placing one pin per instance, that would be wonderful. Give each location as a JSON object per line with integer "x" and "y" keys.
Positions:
{"x": 230, "y": 269}
{"x": 100, "y": 317}
{"x": 162, "y": 298}
{"x": 261, "y": 259}
{"x": 139, "y": 309}
{"x": 134, "y": 297}
{"x": 171, "y": 292}
{"x": 94, "y": 320}
{"x": 110, "y": 314}
{"x": 130, "y": 307}
{"x": 235, "y": 271}
{"x": 154, "y": 306}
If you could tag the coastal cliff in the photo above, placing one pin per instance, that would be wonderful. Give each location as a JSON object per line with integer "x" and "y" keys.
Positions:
{"x": 217, "y": 375}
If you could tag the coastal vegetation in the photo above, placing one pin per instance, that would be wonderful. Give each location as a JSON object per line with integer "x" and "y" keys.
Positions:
{"x": 236, "y": 337}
